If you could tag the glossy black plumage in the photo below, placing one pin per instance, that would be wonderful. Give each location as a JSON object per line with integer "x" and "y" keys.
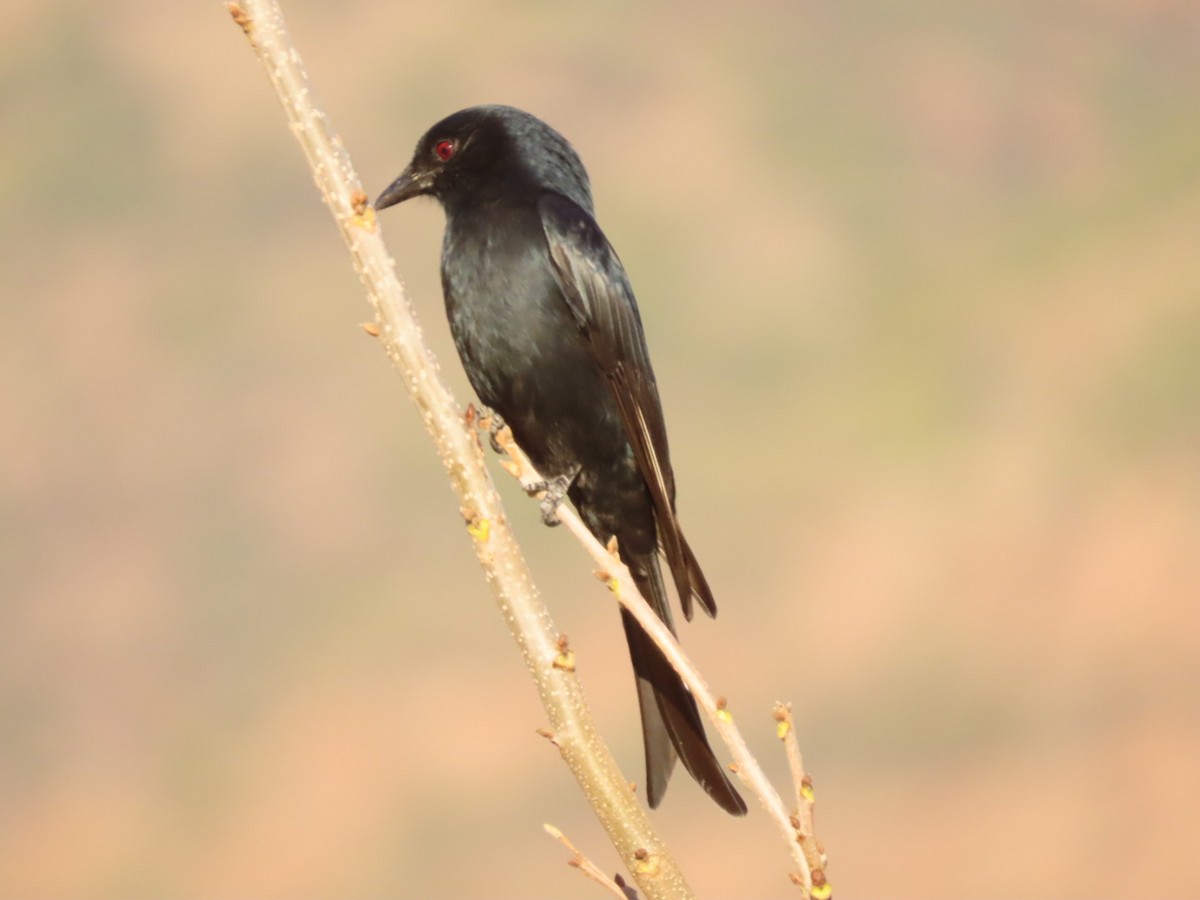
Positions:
{"x": 547, "y": 327}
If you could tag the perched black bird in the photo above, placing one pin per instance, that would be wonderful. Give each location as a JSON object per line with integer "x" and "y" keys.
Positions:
{"x": 544, "y": 319}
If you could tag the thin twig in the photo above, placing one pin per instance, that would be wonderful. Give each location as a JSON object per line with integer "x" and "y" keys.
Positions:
{"x": 585, "y": 865}
{"x": 571, "y": 723}
{"x": 622, "y": 586}
{"x": 802, "y": 820}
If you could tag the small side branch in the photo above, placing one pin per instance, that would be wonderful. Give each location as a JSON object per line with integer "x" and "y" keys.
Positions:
{"x": 802, "y": 820}
{"x": 589, "y": 868}
{"x": 619, "y": 581}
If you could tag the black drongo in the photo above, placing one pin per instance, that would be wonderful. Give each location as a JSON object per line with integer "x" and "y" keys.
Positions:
{"x": 544, "y": 319}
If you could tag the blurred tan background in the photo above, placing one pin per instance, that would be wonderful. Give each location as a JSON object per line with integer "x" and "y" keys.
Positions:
{"x": 922, "y": 287}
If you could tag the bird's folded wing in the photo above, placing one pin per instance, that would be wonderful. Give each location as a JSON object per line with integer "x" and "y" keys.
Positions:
{"x": 595, "y": 285}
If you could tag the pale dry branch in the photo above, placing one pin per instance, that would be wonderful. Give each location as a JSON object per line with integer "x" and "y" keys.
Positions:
{"x": 395, "y": 325}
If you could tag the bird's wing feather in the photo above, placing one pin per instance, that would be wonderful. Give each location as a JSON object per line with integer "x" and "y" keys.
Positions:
{"x": 596, "y": 288}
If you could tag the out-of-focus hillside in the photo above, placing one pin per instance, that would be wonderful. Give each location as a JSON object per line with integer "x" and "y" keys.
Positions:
{"x": 922, "y": 287}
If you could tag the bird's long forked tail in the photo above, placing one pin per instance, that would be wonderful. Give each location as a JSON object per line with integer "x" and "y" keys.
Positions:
{"x": 671, "y": 723}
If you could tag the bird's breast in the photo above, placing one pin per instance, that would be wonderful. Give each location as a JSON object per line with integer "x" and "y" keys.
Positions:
{"x": 502, "y": 300}
{"x": 520, "y": 346}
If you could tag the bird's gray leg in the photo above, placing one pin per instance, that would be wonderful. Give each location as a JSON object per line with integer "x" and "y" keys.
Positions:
{"x": 555, "y": 489}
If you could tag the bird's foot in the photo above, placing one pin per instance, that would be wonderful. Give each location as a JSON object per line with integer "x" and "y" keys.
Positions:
{"x": 553, "y": 491}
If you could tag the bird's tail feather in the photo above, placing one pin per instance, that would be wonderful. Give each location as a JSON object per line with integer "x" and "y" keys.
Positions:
{"x": 671, "y": 724}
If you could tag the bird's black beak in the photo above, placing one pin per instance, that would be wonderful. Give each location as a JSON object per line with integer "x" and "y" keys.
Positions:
{"x": 410, "y": 184}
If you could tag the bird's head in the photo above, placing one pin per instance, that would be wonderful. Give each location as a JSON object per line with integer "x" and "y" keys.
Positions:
{"x": 489, "y": 152}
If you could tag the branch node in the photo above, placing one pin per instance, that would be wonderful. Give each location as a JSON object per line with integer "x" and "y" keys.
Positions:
{"x": 242, "y": 19}
{"x": 479, "y": 528}
{"x": 723, "y": 712}
{"x": 364, "y": 213}
{"x": 647, "y": 863}
{"x": 806, "y": 790}
{"x": 783, "y": 722}
{"x": 565, "y": 659}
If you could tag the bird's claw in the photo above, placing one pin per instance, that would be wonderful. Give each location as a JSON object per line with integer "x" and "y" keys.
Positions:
{"x": 495, "y": 426}
{"x": 549, "y": 508}
{"x": 553, "y": 491}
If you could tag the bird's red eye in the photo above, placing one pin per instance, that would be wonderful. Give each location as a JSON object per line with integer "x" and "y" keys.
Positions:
{"x": 443, "y": 150}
